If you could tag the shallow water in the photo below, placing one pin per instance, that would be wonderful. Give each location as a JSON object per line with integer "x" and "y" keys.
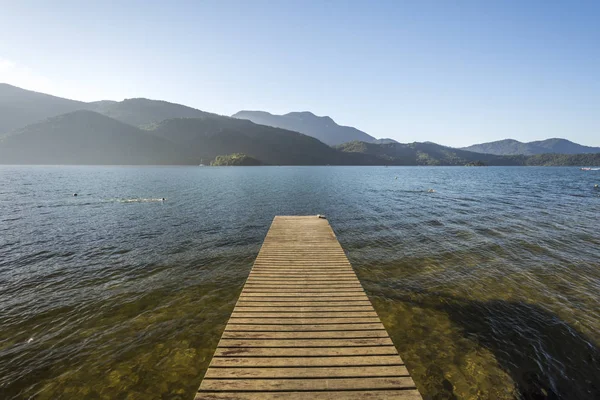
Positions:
{"x": 489, "y": 286}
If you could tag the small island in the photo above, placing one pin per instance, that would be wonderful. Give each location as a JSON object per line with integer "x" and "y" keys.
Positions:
{"x": 475, "y": 164}
{"x": 236, "y": 159}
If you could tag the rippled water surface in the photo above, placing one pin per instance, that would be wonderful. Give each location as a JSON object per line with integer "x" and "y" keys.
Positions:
{"x": 489, "y": 286}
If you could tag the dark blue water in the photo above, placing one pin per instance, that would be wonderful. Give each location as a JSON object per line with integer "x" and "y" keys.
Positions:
{"x": 489, "y": 285}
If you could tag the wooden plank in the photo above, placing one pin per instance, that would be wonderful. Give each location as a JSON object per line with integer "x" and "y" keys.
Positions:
{"x": 305, "y": 288}
{"x": 232, "y": 326}
{"x": 306, "y": 293}
{"x": 303, "y": 327}
{"x": 311, "y": 372}
{"x": 305, "y": 299}
{"x": 305, "y": 351}
{"x": 293, "y": 280}
{"x": 256, "y": 298}
{"x": 333, "y": 361}
{"x": 292, "y": 275}
{"x": 305, "y": 335}
{"x": 304, "y": 268}
{"x": 310, "y": 395}
{"x": 308, "y": 275}
{"x": 307, "y": 384}
{"x": 354, "y": 303}
{"x": 339, "y": 342}
{"x": 304, "y": 314}
{"x": 286, "y": 262}
{"x": 257, "y": 279}
{"x": 304, "y": 321}
{"x": 298, "y": 257}
{"x": 304, "y": 272}
{"x": 296, "y": 308}
{"x": 310, "y": 267}
{"x": 303, "y": 285}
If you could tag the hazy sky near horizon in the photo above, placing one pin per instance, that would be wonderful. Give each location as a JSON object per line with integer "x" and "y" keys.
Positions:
{"x": 455, "y": 73}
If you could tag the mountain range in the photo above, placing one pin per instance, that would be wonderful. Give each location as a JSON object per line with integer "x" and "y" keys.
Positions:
{"x": 20, "y": 107}
{"x": 323, "y": 128}
{"x": 37, "y": 128}
{"x": 508, "y": 147}
{"x": 428, "y": 153}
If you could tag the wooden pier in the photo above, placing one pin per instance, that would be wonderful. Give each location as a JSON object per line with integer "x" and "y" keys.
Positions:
{"x": 303, "y": 328}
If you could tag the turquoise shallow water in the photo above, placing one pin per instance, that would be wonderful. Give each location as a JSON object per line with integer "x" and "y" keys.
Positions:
{"x": 489, "y": 286}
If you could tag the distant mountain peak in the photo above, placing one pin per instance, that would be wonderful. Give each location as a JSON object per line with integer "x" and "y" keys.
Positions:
{"x": 307, "y": 115}
{"x": 323, "y": 128}
{"x": 301, "y": 114}
{"x": 253, "y": 112}
{"x": 509, "y": 141}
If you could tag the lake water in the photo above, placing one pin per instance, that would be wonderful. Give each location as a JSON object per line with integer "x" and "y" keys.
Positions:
{"x": 489, "y": 287}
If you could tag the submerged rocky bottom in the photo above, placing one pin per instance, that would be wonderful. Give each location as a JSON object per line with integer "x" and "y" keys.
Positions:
{"x": 498, "y": 338}
{"x": 485, "y": 340}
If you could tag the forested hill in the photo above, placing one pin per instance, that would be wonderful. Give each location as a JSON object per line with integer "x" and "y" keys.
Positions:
{"x": 514, "y": 147}
{"x": 423, "y": 154}
{"x": 434, "y": 154}
{"x": 85, "y": 137}
{"x": 211, "y": 136}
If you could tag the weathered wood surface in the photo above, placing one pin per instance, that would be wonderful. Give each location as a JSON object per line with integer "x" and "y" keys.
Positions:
{"x": 303, "y": 328}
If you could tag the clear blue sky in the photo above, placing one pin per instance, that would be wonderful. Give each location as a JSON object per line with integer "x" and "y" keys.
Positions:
{"x": 452, "y": 72}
